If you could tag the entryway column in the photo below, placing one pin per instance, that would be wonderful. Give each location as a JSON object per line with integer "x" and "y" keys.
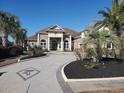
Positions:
{"x": 48, "y": 45}
{"x": 38, "y": 39}
{"x": 70, "y": 43}
{"x": 62, "y": 44}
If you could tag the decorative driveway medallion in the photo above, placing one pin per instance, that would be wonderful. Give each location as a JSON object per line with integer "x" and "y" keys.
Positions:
{"x": 28, "y": 73}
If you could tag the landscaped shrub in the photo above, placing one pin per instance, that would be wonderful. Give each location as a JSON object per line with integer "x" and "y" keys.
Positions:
{"x": 15, "y": 50}
{"x": 122, "y": 53}
{"x": 117, "y": 53}
{"x": 30, "y": 52}
{"x": 109, "y": 53}
{"x": 36, "y": 51}
{"x": 91, "y": 66}
{"x": 45, "y": 50}
{"x": 4, "y": 52}
{"x": 38, "y": 48}
{"x": 78, "y": 53}
{"x": 90, "y": 53}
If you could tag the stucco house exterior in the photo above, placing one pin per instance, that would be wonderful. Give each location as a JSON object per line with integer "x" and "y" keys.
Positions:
{"x": 54, "y": 38}
{"x": 78, "y": 41}
{"x": 61, "y": 39}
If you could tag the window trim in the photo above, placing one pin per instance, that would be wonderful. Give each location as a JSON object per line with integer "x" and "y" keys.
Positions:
{"x": 66, "y": 44}
{"x": 106, "y": 45}
{"x": 43, "y": 43}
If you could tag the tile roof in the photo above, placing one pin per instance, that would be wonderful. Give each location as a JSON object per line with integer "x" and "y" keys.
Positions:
{"x": 33, "y": 37}
{"x": 70, "y": 31}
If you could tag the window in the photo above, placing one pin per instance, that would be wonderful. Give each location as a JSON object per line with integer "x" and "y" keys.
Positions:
{"x": 43, "y": 43}
{"x": 81, "y": 45}
{"x": 109, "y": 45}
{"x": 66, "y": 44}
{"x": 32, "y": 43}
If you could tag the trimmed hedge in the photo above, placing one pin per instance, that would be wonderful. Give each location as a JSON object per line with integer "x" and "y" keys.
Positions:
{"x": 13, "y": 51}
{"x": 4, "y": 52}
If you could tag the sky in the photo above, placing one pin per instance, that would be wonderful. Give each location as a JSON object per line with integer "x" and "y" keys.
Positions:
{"x": 35, "y": 15}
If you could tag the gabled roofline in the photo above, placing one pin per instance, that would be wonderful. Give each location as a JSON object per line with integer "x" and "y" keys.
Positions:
{"x": 57, "y": 26}
{"x": 66, "y": 31}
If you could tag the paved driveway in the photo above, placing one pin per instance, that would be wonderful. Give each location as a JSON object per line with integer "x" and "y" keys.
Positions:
{"x": 36, "y": 75}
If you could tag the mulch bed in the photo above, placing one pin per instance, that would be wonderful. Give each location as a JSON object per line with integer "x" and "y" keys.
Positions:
{"x": 11, "y": 60}
{"x": 106, "y": 91}
{"x": 110, "y": 68}
{"x": 28, "y": 57}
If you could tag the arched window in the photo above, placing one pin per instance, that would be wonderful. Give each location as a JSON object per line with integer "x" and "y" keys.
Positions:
{"x": 66, "y": 44}
{"x": 43, "y": 43}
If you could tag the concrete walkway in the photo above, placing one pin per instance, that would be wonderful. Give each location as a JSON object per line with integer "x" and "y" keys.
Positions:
{"x": 83, "y": 86}
{"x": 36, "y": 75}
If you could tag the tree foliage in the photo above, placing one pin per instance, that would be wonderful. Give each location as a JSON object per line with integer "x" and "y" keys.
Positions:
{"x": 113, "y": 17}
{"x": 10, "y": 25}
{"x": 96, "y": 41}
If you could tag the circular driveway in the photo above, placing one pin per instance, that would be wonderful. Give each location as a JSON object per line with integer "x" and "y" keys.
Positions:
{"x": 36, "y": 75}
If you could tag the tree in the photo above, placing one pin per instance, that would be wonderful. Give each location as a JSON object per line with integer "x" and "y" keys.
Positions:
{"x": 96, "y": 41}
{"x": 22, "y": 36}
{"x": 4, "y": 26}
{"x": 113, "y": 18}
{"x": 15, "y": 29}
{"x": 10, "y": 25}
{"x": 18, "y": 33}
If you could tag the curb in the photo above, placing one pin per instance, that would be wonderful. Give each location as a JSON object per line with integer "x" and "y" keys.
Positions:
{"x": 64, "y": 85}
{"x": 62, "y": 72}
{"x": 91, "y": 79}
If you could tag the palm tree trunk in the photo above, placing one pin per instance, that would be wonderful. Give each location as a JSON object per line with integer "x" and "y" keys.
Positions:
{"x": 113, "y": 49}
{"x": 15, "y": 41}
{"x": 99, "y": 51}
{"x": 4, "y": 43}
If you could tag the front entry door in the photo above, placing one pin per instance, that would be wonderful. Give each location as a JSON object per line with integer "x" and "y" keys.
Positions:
{"x": 54, "y": 45}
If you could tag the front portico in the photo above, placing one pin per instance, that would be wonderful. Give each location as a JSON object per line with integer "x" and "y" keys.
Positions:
{"x": 55, "y": 44}
{"x": 55, "y": 38}
{"x": 58, "y": 44}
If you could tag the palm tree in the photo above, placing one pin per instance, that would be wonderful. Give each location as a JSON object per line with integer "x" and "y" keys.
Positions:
{"x": 113, "y": 18}
{"x": 96, "y": 41}
{"x": 113, "y": 41}
{"x": 4, "y": 26}
{"x": 93, "y": 44}
{"x": 10, "y": 25}
{"x": 22, "y": 36}
{"x": 15, "y": 29}
{"x": 18, "y": 33}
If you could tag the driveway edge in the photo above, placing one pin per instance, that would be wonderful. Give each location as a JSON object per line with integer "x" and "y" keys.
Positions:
{"x": 64, "y": 85}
